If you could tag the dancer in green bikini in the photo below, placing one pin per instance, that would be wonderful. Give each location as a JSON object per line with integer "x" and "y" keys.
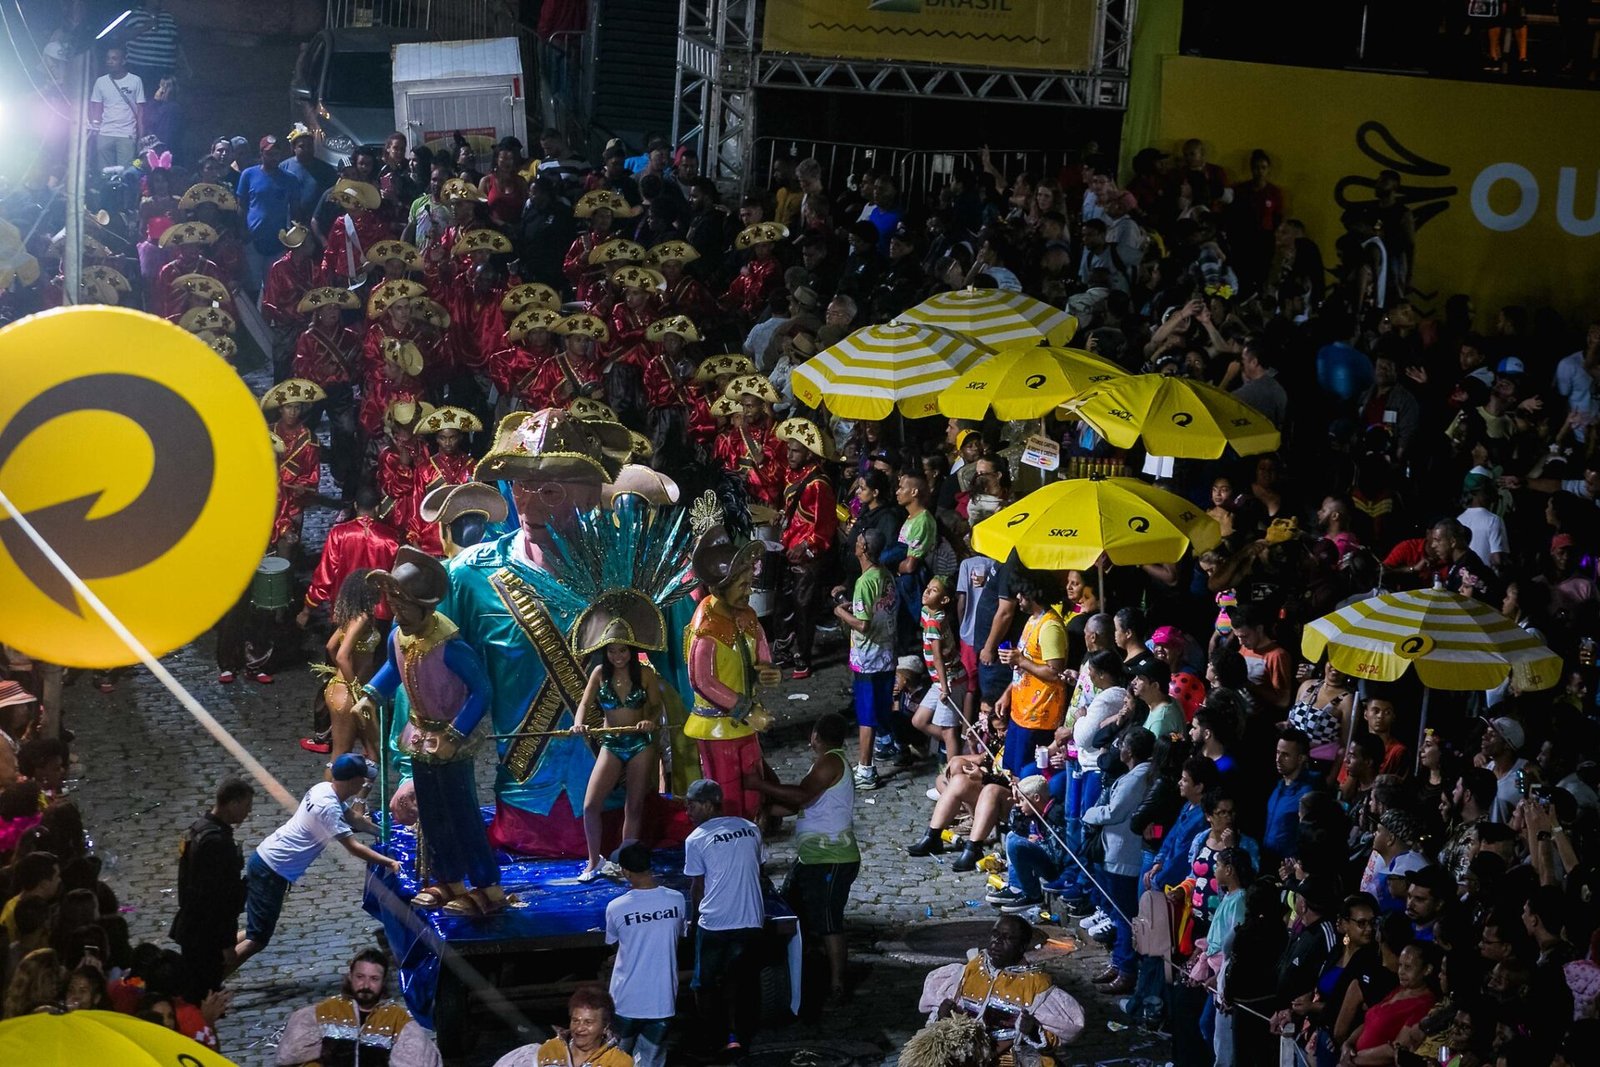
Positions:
{"x": 627, "y": 695}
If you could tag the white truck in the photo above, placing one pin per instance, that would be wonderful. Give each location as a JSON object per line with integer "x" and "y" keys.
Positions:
{"x": 474, "y": 88}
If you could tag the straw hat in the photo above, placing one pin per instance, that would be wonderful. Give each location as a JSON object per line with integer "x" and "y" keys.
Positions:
{"x": 481, "y": 241}
{"x": 551, "y": 443}
{"x": 405, "y": 414}
{"x": 431, "y": 312}
{"x": 636, "y": 277}
{"x": 681, "y": 325}
{"x": 582, "y": 324}
{"x": 208, "y": 193}
{"x": 806, "y": 433}
{"x": 761, "y": 233}
{"x": 350, "y": 195}
{"x": 804, "y": 345}
{"x": 620, "y": 616}
{"x": 385, "y": 294}
{"x": 725, "y": 407}
{"x": 589, "y": 410}
{"x": 531, "y": 319}
{"x": 182, "y": 234}
{"x": 456, "y": 190}
{"x": 202, "y": 285}
{"x": 292, "y": 391}
{"x": 104, "y": 285}
{"x": 531, "y": 295}
{"x": 617, "y": 250}
{"x": 224, "y": 346}
{"x": 406, "y": 252}
{"x": 607, "y": 199}
{"x": 672, "y": 252}
{"x": 328, "y": 296}
{"x": 403, "y": 354}
{"x": 752, "y": 385}
{"x": 295, "y": 236}
{"x": 450, "y": 418}
{"x": 730, "y": 363}
{"x": 196, "y": 320}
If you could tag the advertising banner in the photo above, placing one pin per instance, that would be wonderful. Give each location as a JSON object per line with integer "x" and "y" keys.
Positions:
{"x": 1031, "y": 34}
{"x": 1503, "y": 181}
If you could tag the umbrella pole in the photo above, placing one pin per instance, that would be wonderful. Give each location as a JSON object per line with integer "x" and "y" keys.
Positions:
{"x": 1422, "y": 730}
{"x": 1355, "y": 713}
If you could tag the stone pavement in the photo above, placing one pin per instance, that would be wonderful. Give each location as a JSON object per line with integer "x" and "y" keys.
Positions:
{"x": 148, "y": 770}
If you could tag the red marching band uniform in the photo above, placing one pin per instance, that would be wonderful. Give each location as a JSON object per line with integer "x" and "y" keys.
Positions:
{"x": 810, "y": 511}
{"x": 363, "y": 542}
{"x": 289, "y": 279}
{"x": 329, "y": 357}
{"x": 758, "y": 452}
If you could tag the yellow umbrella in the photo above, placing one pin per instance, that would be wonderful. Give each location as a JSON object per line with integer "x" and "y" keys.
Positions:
{"x": 105, "y": 1037}
{"x": 880, "y": 368}
{"x": 1173, "y": 416}
{"x": 1068, "y": 525}
{"x": 1454, "y": 642}
{"x": 995, "y": 317}
{"x": 1024, "y": 383}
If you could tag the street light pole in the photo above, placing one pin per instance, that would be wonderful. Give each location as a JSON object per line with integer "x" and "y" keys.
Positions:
{"x": 80, "y": 77}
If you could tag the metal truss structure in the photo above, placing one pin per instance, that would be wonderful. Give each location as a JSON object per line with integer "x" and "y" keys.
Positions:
{"x": 721, "y": 69}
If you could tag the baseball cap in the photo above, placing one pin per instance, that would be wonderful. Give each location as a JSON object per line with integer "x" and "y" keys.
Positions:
{"x": 1510, "y": 365}
{"x": 1511, "y": 730}
{"x": 349, "y": 766}
{"x": 1166, "y": 635}
{"x": 1561, "y": 540}
{"x": 902, "y": 232}
{"x": 267, "y": 142}
{"x": 1405, "y": 828}
{"x": 1058, "y": 246}
{"x": 239, "y": 144}
{"x": 632, "y": 856}
{"x": 703, "y": 791}
{"x": 1433, "y": 877}
{"x": 1156, "y": 671}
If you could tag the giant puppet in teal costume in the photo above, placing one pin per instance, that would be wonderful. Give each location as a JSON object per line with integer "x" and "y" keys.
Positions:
{"x": 557, "y": 467}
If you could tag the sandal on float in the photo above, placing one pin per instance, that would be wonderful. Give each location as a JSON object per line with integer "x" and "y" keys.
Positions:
{"x": 474, "y": 903}
{"x": 434, "y": 896}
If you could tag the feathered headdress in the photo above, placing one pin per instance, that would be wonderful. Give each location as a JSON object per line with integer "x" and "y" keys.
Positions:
{"x": 617, "y": 572}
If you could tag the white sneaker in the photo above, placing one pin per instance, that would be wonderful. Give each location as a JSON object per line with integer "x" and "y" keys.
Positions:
{"x": 1101, "y": 927}
{"x": 933, "y": 794}
{"x": 867, "y": 777}
{"x": 1093, "y": 919}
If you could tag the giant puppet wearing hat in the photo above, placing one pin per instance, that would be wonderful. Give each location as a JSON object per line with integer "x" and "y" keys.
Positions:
{"x": 447, "y": 692}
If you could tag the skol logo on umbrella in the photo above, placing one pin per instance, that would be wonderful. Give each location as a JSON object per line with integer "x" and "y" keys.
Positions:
{"x": 1018, "y": 519}
{"x": 1182, "y": 418}
{"x": 1414, "y": 646}
{"x": 1034, "y": 381}
{"x": 1139, "y": 524}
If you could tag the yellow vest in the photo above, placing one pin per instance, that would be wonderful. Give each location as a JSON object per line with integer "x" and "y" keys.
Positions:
{"x": 727, "y": 631}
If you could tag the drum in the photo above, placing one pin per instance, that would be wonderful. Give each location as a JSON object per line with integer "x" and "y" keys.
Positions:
{"x": 764, "y": 602}
{"x": 269, "y": 590}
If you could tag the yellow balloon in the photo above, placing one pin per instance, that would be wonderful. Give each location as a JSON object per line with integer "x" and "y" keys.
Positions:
{"x": 142, "y": 459}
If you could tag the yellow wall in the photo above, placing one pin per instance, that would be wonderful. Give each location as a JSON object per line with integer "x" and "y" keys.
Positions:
{"x": 1516, "y": 169}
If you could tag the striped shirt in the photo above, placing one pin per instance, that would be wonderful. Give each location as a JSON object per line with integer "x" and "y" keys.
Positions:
{"x": 157, "y": 46}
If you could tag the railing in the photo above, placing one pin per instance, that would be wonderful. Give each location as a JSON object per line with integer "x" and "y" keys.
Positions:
{"x": 452, "y": 20}
{"x": 566, "y": 84}
{"x": 919, "y": 172}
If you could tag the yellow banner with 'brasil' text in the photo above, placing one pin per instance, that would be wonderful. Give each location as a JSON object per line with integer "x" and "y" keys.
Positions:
{"x": 1028, "y": 34}
{"x": 1503, "y": 181}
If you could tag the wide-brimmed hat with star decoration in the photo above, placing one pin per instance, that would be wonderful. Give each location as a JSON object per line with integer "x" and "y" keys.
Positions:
{"x": 403, "y": 354}
{"x": 672, "y": 252}
{"x": 616, "y": 252}
{"x": 208, "y": 193}
{"x": 292, "y": 391}
{"x": 729, "y": 363}
{"x": 202, "y": 285}
{"x": 532, "y": 295}
{"x": 327, "y": 296}
{"x": 725, "y": 407}
{"x": 187, "y": 233}
{"x": 620, "y": 616}
{"x": 755, "y": 385}
{"x": 456, "y": 190}
{"x": 606, "y": 199}
{"x": 350, "y": 194}
{"x": 582, "y": 324}
{"x": 760, "y": 233}
{"x": 105, "y": 285}
{"x": 430, "y": 312}
{"x": 681, "y": 325}
{"x": 382, "y": 252}
{"x": 481, "y": 241}
{"x": 530, "y": 320}
{"x": 806, "y": 433}
{"x": 295, "y": 236}
{"x": 386, "y": 294}
{"x": 589, "y": 409}
{"x": 634, "y": 276}
{"x": 224, "y": 346}
{"x": 550, "y": 443}
{"x": 197, "y": 320}
{"x": 449, "y": 417}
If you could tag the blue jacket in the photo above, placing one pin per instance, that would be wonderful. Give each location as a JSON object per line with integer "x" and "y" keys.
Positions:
{"x": 1172, "y": 861}
{"x": 1282, "y": 837}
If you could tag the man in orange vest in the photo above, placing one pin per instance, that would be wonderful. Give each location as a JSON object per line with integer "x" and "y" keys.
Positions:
{"x": 1037, "y": 698}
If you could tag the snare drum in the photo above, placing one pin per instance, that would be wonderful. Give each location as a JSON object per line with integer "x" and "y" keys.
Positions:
{"x": 269, "y": 589}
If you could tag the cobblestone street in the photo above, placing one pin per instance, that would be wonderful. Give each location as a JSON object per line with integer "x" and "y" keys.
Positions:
{"x": 148, "y": 770}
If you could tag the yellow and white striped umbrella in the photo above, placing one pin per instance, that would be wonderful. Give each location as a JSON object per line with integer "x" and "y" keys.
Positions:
{"x": 880, "y": 368}
{"x": 995, "y": 317}
{"x": 1454, "y": 642}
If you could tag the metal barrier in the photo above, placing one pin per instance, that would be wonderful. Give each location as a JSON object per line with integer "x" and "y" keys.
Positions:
{"x": 452, "y": 20}
{"x": 919, "y": 172}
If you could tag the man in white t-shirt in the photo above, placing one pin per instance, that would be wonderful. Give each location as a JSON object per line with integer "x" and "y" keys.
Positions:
{"x": 645, "y": 924}
{"x": 116, "y": 112}
{"x": 1502, "y": 740}
{"x": 722, "y": 858}
{"x": 284, "y": 855}
{"x": 1488, "y": 529}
